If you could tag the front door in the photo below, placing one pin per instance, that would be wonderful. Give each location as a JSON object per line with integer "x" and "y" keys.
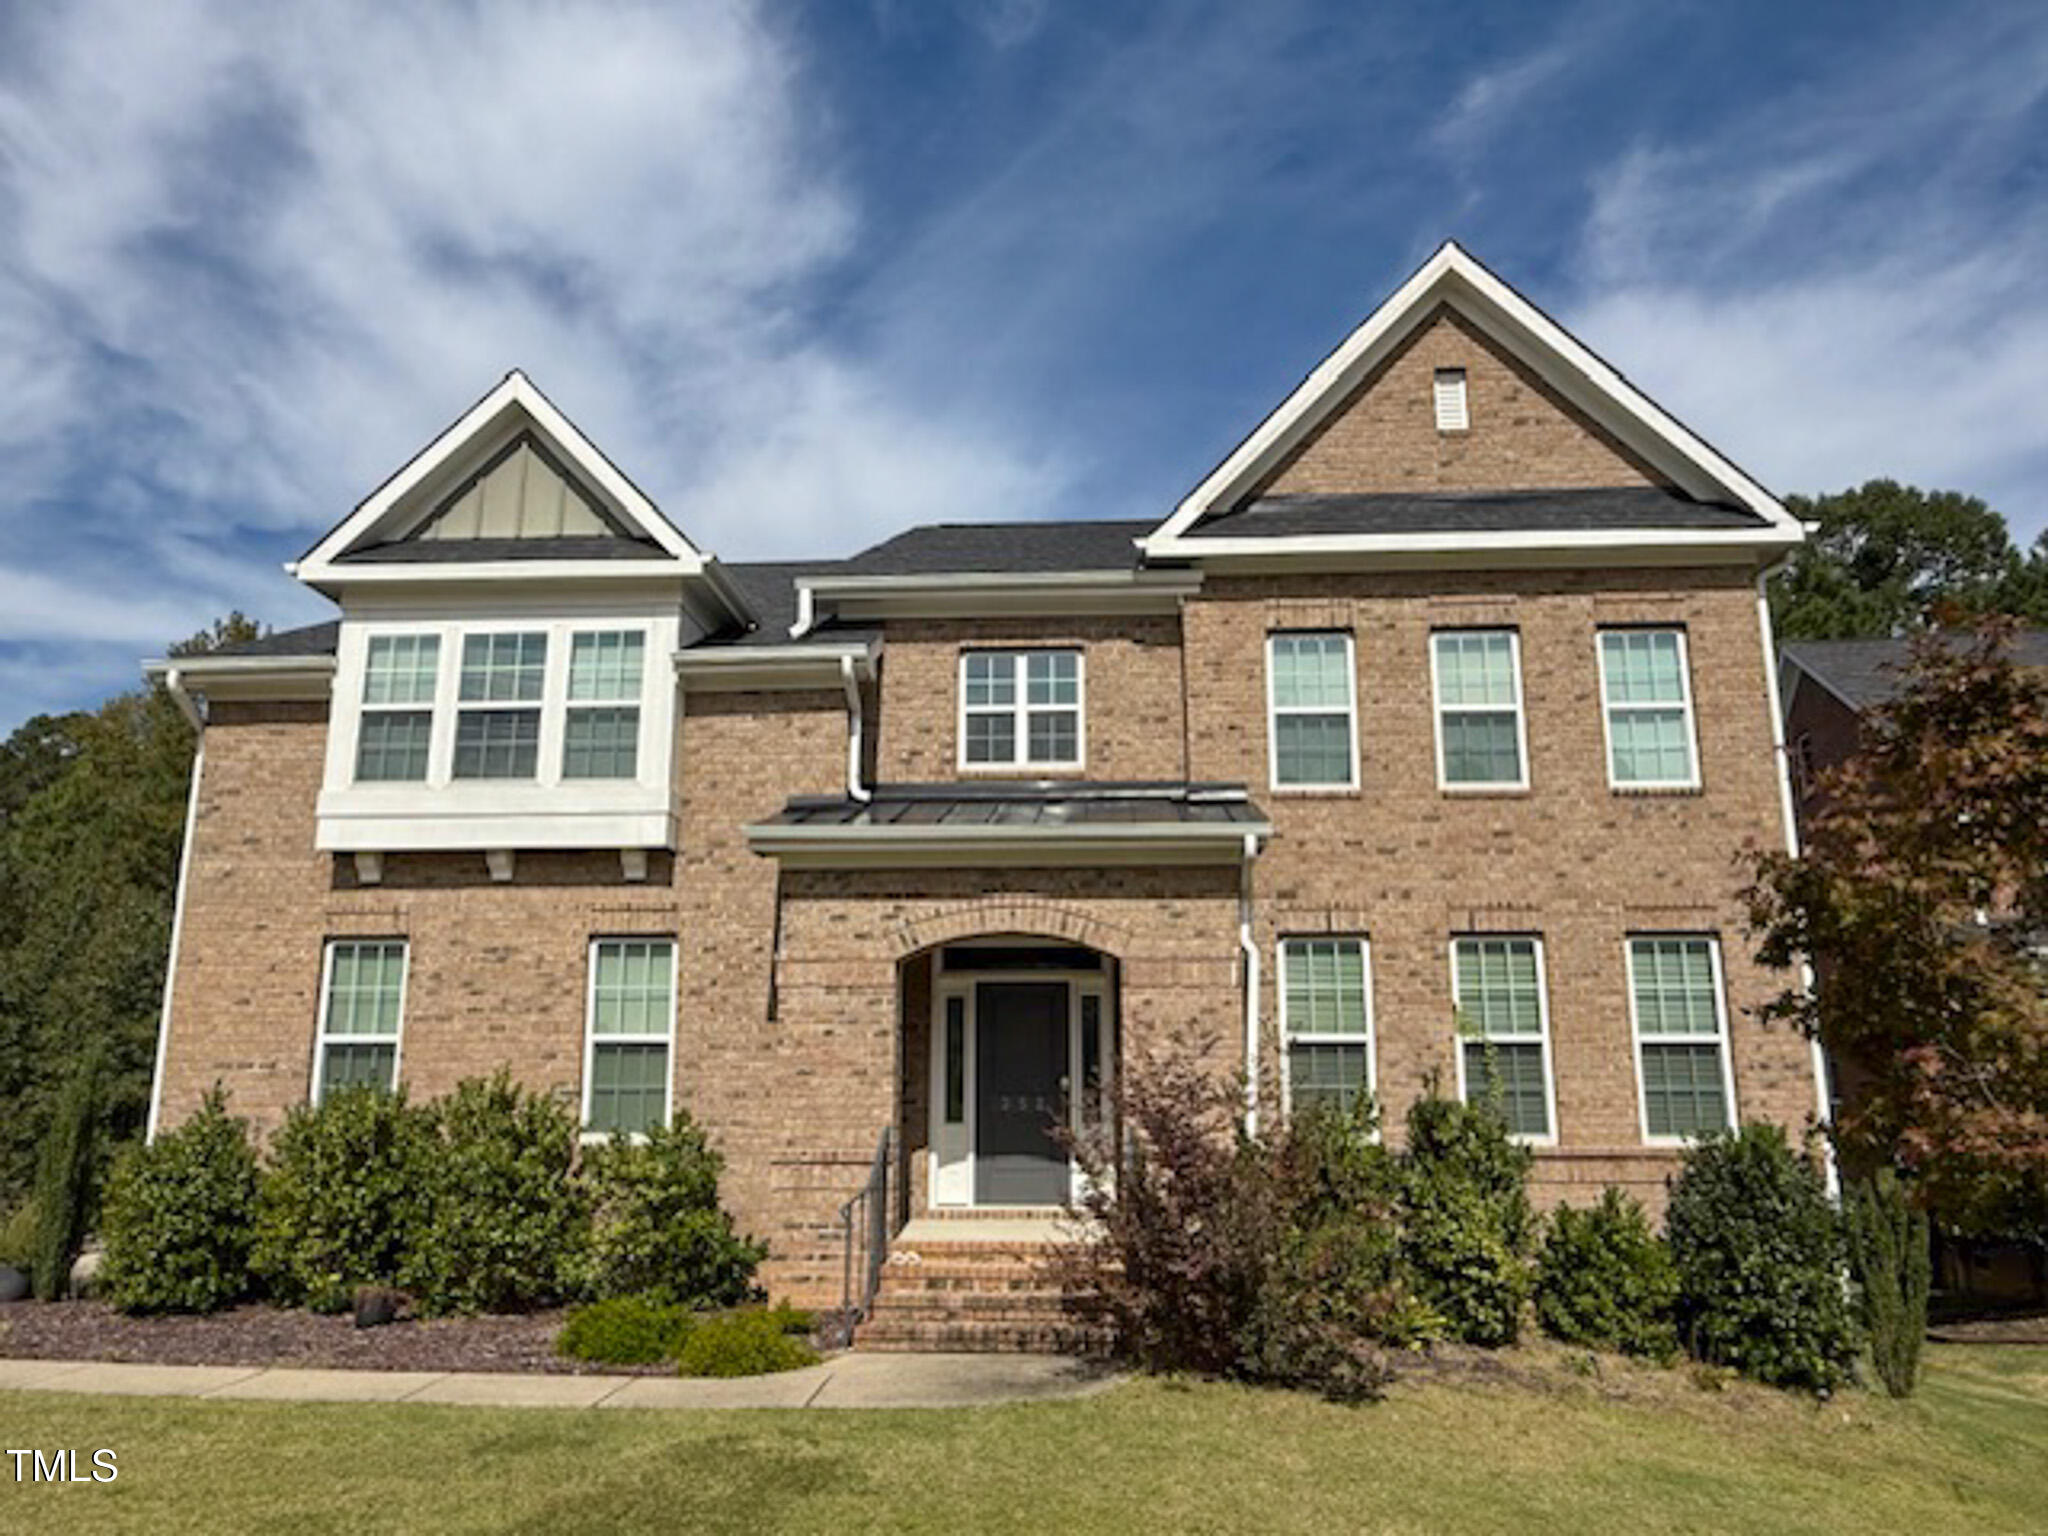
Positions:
{"x": 1020, "y": 1053}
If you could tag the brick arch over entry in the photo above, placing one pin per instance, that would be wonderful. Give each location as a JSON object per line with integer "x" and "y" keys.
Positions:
{"x": 1005, "y": 914}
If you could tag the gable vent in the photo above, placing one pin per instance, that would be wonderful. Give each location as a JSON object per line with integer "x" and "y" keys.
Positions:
{"x": 1450, "y": 400}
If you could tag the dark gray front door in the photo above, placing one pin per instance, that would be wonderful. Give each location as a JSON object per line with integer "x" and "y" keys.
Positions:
{"x": 1020, "y": 1067}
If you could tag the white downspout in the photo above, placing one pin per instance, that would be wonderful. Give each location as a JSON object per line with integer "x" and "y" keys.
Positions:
{"x": 1250, "y": 951}
{"x": 855, "y": 731}
{"x": 174, "y": 685}
{"x": 1791, "y": 828}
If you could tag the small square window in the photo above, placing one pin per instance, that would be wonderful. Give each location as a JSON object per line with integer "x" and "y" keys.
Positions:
{"x": 1020, "y": 709}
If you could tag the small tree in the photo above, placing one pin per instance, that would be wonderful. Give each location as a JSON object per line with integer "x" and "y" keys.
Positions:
{"x": 180, "y": 1217}
{"x": 1888, "y": 1239}
{"x": 65, "y": 1191}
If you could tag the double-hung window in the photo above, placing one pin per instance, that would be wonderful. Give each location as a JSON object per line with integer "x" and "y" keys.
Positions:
{"x": 1314, "y": 731}
{"x": 1503, "y": 1028}
{"x": 1647, "y": 696}
{"x": 626, "y": 1069}
{"x": 1479, "y": 737}
{"x": 1681, "y": 1028}
{"x": 601, "y": 732}
{"x": 1326, "y": 1017}
{"x": 497, "y": 722}
{"x": 400, "y": 678}
{"x": 1020, "y": 709}
{"x": 361, "y": 1013}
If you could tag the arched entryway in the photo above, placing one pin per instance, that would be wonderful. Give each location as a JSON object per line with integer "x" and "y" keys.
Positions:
{"x": 1011, "y": 1043}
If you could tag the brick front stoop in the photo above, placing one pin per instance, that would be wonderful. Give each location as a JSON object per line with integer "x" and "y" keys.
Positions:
{"x": 975, "y": 1295}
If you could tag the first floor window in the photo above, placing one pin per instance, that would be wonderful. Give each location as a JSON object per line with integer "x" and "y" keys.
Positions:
{"x": 1681, "y": 1030}
{"x": 1503, "y": 1039}
{"x": 361, "y": 1016}
{"x": 1326, "y": 1015}
{"x": 632, "y": 1027}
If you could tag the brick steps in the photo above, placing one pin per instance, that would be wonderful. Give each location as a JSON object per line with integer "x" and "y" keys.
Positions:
{"x": 988, "y": 1297}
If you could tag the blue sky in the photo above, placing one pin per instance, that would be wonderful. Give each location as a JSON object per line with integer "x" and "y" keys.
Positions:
{"x": 812, "y": 272}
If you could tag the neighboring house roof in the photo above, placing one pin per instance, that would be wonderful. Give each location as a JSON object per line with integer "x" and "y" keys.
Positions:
{"x": 1642, "y": 506}
{"x": 940, "y": 548}
{"x": 1865, "y": 673}
{"x": 309, "y": 640}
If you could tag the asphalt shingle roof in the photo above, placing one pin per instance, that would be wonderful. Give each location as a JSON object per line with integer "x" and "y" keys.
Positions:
{"x": 945, "y": 548}
{"x": 309, "y": 640}
{"x": 1867, "y": 672}
{"x": 1613, "y": 507}
{"x": 452, "y": 551}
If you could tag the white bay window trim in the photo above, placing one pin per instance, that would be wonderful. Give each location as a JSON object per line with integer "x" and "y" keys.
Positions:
{"x": 1020, "y": 709}
{"x": 1541, "y": 1039}
{"x": 1641, "y": 1042}
{"x": 325, "y": 1037}
{"x": 592, "y": 1040}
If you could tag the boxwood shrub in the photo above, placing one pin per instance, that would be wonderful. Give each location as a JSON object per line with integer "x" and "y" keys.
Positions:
{"x": 658, "y": 1230}
{"x": 1605, "y": 1280}
{"x": 751, "y": 1342}
{"x": 1762, "y": 1266}
{"x": 625, "y": 1330}
{"x": 179, "y": 1217}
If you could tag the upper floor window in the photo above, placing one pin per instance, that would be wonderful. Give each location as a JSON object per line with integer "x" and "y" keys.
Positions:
{"x": 1479, "y": 737}
{"x": 497, "y": 726}
{"x": 1313, "y": 728}
{"x": 1503, "y": 1027}
{"x": 1648, "y": 700}
{"x": 361, "y": 1011}
{"x": 1020, "y": 709}
{"x": 601, "y": 735}
{"x": 393, "y": 737}
{"x": 1326, "y": 1018}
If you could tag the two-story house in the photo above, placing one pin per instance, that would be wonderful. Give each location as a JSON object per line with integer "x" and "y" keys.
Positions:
{"x": 1417, "y": 744}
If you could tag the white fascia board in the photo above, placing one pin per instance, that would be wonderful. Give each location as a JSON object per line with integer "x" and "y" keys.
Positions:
{"x": 248, "y": 677}
{"x": 1568, "y": 547}
{"x": 486, "y": 421}
{"x": 731, "y": 669}
{"x": 1454, "y": 277}
{"x": 457, "y": 831}
{"x": 832, "y": 847}
{"x": 971, "y": 594}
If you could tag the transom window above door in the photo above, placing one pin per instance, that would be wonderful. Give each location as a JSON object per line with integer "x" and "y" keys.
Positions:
{"x": 1021, "y": 709}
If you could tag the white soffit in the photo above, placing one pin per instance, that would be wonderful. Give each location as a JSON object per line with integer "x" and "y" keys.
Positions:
{"x": 1453, "y": 277}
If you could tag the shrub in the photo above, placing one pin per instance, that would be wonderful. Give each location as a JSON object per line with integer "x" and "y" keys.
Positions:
{"x": 658, "y": 1230}
{"x": 1889, "y": 1245}
{"x": 505, "y": 1224}
{"x": 347, "y": 1197}
{"x": 180, "y": 1217}
{"x": 18, "y": 1238}
{"x": 64, "y": 1177}
{"x": 1761, "y": 1262}
{"x": 1605, "y": 1280}
{"x": 1466, "y": 1225}
{"x": 753, "y": 1342}
{"x": 624, "y": 1330}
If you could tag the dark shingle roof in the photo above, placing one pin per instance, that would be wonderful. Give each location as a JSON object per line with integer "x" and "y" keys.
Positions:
{"x": 769, "y": 588}
{"x": 943, "y": 548}
{"x": 1866, "y": 672}
{"x": 1048, "y": 803}
{"x": 1614, "y": 507}
{"x": 450, "y": 551}
{"x": 310, "y": 640}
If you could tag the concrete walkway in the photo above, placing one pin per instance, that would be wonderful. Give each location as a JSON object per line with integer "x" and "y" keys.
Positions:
{"x": 845, "y": 1381}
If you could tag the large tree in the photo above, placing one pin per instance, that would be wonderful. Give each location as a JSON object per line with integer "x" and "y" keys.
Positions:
{"x": 1889, "y": 558}
{"x": 1922, "y": 899}
{"x": 92, "y": 808}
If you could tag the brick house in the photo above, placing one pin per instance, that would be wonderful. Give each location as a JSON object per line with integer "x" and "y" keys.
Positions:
{"x": 1416, "y": 744}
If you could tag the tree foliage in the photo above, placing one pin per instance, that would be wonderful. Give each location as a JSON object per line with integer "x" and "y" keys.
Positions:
{"x": 1922, "y": 899}
{"x": 1888, "y": 557}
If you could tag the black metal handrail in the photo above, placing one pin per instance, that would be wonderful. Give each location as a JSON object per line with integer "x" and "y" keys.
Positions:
{"x": 864, "y": 1226}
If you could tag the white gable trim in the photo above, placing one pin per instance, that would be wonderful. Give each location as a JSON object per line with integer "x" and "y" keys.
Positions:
{"x": 1454, "y": 278}
{"x": 491, "y": 419}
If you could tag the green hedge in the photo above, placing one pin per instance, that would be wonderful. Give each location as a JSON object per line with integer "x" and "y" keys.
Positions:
{"x": 1466, "y": 1224}
{"x": 657, "y": 1227}
{"x": 1605, "y": 1280}
{"x": 179, "y": 1216}
{"x": 625, "y": 1330}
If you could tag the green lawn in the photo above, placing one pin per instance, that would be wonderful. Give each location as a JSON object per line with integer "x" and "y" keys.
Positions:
{"x": 1628, "y": 1450}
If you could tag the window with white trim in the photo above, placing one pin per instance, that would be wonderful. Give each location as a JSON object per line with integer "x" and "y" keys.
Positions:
{"x": 1681, "y": 1029}
{"x": 1503, "y": 1028}
{"x": 401, "y": 675}
{"x": 601, "y": 731}
{"x": 1020, "y": 709}
{"x": 497, "y": 722}
{"x": 1451, "y": 415}
{"x": 1313, "y": 725}
{"x": 1647, "y": 693}
{"x": 626, "y": 1070}
{"x": 1477, "y": 676}
{"x": 1326, "y": 1019}
{"x": 362, "y": 1010}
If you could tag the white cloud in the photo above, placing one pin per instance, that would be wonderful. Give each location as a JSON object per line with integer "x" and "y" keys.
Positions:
{"x": 1844, "y": 286}
{"x": 252, "y": 258}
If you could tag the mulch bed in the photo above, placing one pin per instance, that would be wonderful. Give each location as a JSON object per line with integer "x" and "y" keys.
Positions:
{"x": 259, "y": 1336}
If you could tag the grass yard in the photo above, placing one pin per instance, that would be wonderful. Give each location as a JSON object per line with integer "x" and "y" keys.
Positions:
{"x": 1548, "y": 1449}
